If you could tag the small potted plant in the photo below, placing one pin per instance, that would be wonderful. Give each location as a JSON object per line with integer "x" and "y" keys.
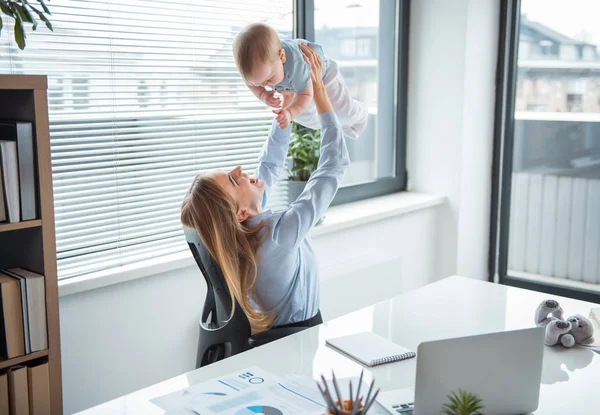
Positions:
{"x": 23, "y": 11}
{"x": 303, "y": 158}
{"x": 462, "y": 403}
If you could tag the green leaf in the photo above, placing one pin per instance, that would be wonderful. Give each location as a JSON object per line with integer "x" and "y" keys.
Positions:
{"x": 45, "y": 20}
{"x": 35, "y": 9}
{"x": 44, "y": 6}
{"x": 304, "y": 151}
{"x": 19, "y": 34}
{"x": 24, "y": 13}
{"x": 5, "y": 9}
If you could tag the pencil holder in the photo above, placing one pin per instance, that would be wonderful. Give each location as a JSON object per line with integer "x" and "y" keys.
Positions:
{"x": 347, "y": 409}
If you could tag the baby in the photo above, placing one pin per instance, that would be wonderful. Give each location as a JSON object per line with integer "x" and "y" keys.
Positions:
{"x": 266, "y": 61}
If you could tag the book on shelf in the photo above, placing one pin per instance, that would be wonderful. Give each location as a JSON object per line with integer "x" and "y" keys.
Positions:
{"x": 21, "y": 133}
{"x": 3, "y": 217}
{"x": 12, "y": 342}
{"x": 4, "y": 393}
{"x": 38, "y": 381}
{"x": 35, "y": 303}
{"x": 18, "y": 392}
{"x": 31, "y": 298}
{"x": 24, "y": 309}
{"x": 10, "y": 179}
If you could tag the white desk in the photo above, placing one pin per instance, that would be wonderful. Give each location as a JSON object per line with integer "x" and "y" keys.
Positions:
{"x": 452, "y": 307}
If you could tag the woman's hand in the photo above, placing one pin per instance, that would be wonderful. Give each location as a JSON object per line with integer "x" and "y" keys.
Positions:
{"x": 316, "y": 66}
{"x": 316, "y": 69}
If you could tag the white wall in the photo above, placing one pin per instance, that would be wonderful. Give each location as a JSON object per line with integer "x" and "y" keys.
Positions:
{"x": 123, "y": 337}
{"x": 452, "y": 66}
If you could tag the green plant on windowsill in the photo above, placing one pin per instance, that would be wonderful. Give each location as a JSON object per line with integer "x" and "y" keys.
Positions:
{"x": 462, "y": 403}
{"x": 23, "y": 11}
{"x": 303, "y": 152}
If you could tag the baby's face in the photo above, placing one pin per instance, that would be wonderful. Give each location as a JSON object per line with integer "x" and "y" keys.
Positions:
{"x": 267, "y": 74}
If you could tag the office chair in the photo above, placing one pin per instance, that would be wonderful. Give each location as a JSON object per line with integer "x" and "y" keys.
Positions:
{"x": 220, "y": 336}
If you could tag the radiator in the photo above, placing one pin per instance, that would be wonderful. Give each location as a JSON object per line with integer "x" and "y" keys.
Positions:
{"x": 555, "y": 226}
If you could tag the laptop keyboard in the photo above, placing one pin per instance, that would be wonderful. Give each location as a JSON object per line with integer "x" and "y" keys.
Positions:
{"x": 404, "y": 408}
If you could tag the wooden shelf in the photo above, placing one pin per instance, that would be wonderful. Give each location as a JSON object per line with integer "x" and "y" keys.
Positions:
{"x": 5, "y": 227}
{"x": 22, "y": 359}
{"x": 32, "y": 244}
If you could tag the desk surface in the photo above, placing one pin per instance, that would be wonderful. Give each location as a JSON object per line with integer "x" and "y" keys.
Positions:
{"x": 452, "y": 307}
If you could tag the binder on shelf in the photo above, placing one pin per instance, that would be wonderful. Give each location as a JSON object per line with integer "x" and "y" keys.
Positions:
{"x": 3, "y": 213}
{"x": 12, "y": 343}
{"x": 10, "y": 177}
{"x": 22, "y": 133}
{"x": 18, "y": 392}
{"x": 38, "y": 381}
{"x": 35, "y": 292}
{"x": 4, "y": 393}
{"x": 24, "y": 309}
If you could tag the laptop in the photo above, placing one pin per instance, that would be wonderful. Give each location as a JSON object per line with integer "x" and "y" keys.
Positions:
{"x": 503, "y": 369}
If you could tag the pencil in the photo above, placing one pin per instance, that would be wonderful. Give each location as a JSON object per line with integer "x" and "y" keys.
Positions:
{"x": 368, "y": 404}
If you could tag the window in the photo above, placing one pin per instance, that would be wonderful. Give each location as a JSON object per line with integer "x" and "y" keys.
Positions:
{"x": 549, "y": 190}
{"x": 359, "y": 36}
{"x": 363, "y": 47}
{"x": 142, "y": 95}
{"x": 348, "y": 47}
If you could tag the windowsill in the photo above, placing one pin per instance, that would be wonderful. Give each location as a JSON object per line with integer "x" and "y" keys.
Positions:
{"x": 337, "y": 218}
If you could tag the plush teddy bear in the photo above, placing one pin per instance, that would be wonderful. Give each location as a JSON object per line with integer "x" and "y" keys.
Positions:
{"x": 576, "y": 329}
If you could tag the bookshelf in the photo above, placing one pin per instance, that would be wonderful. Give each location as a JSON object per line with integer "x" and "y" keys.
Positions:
{"x": 32, "y": 244}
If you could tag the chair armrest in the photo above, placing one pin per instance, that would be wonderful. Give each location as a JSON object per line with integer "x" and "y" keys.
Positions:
{"x": 273, "y": 334}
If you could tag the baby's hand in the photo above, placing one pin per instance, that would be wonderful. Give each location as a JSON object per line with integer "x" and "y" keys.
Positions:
{"x": 283, "y": 117}
{"x": 269, "y": 98}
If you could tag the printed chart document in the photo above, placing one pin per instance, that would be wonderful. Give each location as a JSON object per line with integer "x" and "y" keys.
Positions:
{"x": 278, "y": 399}
{"x": 181, "y": 401}
{"x": 254, "y": 391}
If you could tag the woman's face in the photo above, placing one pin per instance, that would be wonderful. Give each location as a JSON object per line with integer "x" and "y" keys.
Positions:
{"x": 247, "y": 192}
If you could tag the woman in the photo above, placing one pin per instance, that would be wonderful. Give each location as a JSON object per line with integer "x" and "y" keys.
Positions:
{"x": 266, "y": 257}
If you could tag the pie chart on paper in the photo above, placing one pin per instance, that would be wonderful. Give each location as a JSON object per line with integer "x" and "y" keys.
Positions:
{"x": 259, "y": 409}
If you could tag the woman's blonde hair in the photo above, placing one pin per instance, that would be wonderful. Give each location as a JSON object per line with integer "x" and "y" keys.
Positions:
{"x": 256, "y": 43}
{"x": 209, "y": 210}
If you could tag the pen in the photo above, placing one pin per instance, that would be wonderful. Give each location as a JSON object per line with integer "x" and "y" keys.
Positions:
{"x": 369, "y": 393}
{"x": 328, "y": 393}
{"x": 368, "y": 404}
{"x": 350, "y": 401}
{"x": 330, "y": 405}
{"x": 337, "y": 390}
{"x": 356, "y": 403}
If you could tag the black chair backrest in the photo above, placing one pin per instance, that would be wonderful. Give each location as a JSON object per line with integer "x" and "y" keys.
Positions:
{"x": 222, "y": 336}
{"x": 218, "y": 297}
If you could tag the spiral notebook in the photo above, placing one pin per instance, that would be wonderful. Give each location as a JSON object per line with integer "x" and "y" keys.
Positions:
{"x": 370, "y": 349}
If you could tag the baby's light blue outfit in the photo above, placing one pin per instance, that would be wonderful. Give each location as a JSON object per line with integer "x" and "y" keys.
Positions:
{"x": 297, "y": 72}
{"x": 352, "y": 114}
{"x": 287, "y": 280}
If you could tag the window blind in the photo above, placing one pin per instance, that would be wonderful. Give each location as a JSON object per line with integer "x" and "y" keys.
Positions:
{"x": 142, "y": 95}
